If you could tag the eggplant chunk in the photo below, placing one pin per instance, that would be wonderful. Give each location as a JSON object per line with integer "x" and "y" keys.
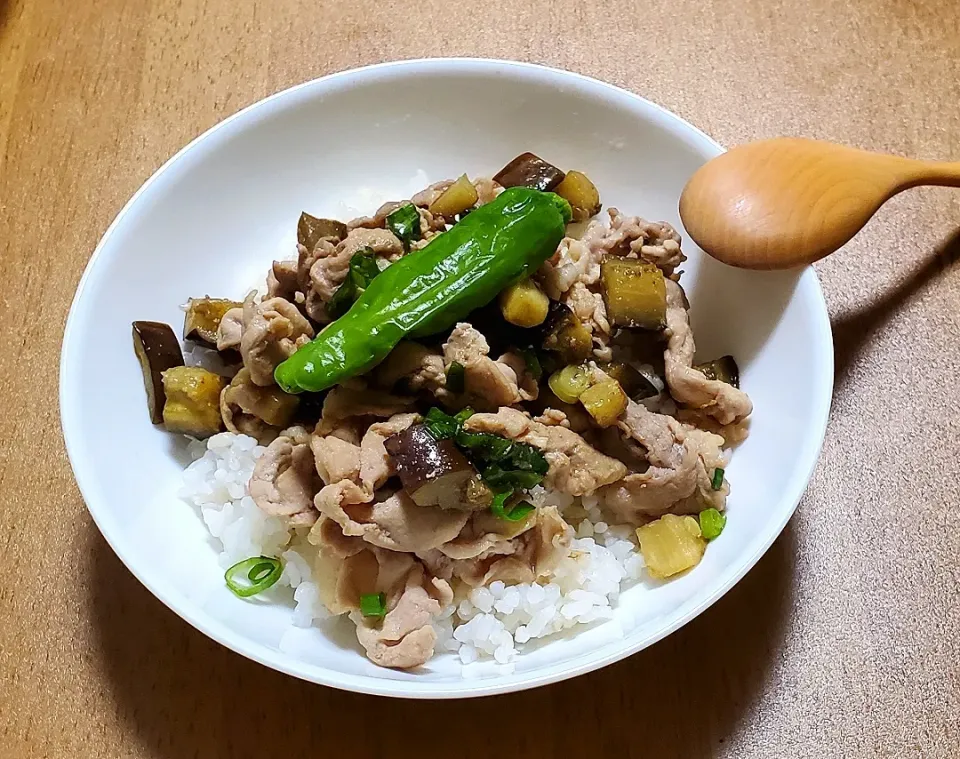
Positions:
{"x": 310, "y": 229}
{"x": 203, "y": 318}
{"x": 636, "y": 384}
{"x": 523, "y": 304}
{"x": 635, "y": 293}
{"x": 457, "y": 198}
{"x": 566, "y": 335}
{"x": 157, "y": 349}
{"x": 528, "y": 170}
{"x": 605, "y": 402}
{"x": 582, "y": 195}
{"x": 724, "y": 369}
{"x": 671, "y": 544}
{"x": 193, "y": 401}
{"x": 433, "y": 472}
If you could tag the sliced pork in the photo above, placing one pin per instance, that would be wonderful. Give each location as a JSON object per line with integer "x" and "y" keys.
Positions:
{"x": 682, "y": 461}
{"x": 393, "y": 521}
{"x": 349, "y": 568}
{"x": 230, "y": 330}
{"x": 343, "y": 403}
{"x": 488, "y": 384}
{"x": 254, "y": 410}
{"x": 532, "y": 554}
{"x": 722, "y": 401}
{"x": 655, "y": 242}
{"x": 285, "y": 480}
{"x": 272, "y": 332}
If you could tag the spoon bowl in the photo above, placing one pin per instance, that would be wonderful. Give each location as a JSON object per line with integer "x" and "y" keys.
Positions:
{"x": 787, "y": 202}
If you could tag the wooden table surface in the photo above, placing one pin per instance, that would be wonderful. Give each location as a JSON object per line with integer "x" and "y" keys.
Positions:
{"x": 844, "y": 641}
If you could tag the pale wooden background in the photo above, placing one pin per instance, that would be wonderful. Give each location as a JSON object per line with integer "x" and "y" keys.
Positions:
{"x": 843, "y": 642}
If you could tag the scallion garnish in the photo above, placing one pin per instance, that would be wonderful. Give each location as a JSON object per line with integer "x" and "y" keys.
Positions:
{"x": 503, "y": 464}
{"x": 497, "y": 477}
{"x": 515, "y": 514}
{"x": 456, "y": 377}
{"x": 717, "y": 482}
{"x": 373, "y": 604}
{"x": 712, "y": 523}
{"x": 484, "y": 446}
{"x": 405, "y": 224}
{"x": 440, "y": 424}
{"x": 254, "y": 575}
{"x": 362, "y": 271}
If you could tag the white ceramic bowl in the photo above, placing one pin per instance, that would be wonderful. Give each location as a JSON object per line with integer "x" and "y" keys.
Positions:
{"x": 212, "y": 219}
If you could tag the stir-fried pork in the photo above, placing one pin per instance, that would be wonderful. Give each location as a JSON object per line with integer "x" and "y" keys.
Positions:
{"x": 272, "y": 331}
{"x": 678, "y": 481}
{"x": 406, "y": 637}
{"x": 336, "y": 459}
{"x": 416, "y": 366}
{"x": 430, "y": 225}
{"x": 230, "y": 330}
{"x": 254, "y": 410}
{"x": 350, "y": 568}
{"x": 532, "y": 554}
{"x": 284, "y": 479}
{"x": 488, "y": 383}
{"x": 351, "y": 402}
{"x": 282, "y": 281}
{"x": 393, "y": 521}
{"x": 655, "y": 242}
{"x": 339, "y": 479}
{"x": 723, "y": 402}
{"x": 482, "y": 532}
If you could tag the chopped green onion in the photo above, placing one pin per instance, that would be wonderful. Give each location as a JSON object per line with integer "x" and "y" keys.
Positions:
{"x": 484, "y": 446}
{"x": 529, "y": 356}
{"x": 717, "y": 482}
{"x": 254, "y": 575}
{"x": 712, "y": 523}
{"x": 497, "y": 477}
{"x": 443, "y": 426}
{"x": 373, "y": 604}
{"x": 518, "y": 512}
{"x": 504, "y": 464}
{"x": 456, "y": 377}
{"x": 404, "y": 222}
{"x": 526, "y": 458}
{"x": 509, "y": 464}
{"x": 363, "y": 269}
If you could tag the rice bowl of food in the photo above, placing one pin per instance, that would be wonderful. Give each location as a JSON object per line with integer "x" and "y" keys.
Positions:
{"x": 437, "y": 402}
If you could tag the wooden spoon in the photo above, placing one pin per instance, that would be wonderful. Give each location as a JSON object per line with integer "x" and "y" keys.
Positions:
{"x": 777, "y": 204}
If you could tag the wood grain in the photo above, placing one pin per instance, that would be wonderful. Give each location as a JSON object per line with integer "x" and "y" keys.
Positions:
{"x": 843, "y": 642}
{"x": 790, "y": 201}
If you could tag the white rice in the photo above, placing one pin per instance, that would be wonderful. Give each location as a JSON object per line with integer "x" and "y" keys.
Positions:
{"x": 495, "y": 622}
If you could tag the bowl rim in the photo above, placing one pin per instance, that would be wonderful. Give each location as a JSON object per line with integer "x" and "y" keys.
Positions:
{"x": 556, "y": 672}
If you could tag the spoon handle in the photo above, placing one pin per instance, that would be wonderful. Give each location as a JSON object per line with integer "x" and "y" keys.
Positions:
{"x": 918, "y": 173}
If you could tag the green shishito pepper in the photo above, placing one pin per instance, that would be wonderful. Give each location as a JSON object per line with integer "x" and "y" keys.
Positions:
{"x": 431, "y": 289}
